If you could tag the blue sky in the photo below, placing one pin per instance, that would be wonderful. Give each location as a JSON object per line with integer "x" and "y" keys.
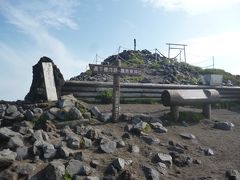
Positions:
{"x": 72, "y": 32}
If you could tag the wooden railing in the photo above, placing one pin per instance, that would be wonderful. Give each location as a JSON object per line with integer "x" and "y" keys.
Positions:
{"x": 89, "y": 90}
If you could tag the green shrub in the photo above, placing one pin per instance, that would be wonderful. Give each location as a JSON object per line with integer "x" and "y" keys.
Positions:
{"x": 189, "y": 116}
{"x": 39, "y": 123}
{"x": 133, "y": 79}
{"x": 66, "y": 176}
{"x": 106, "y": 96}
{"x": 141, "y": 101}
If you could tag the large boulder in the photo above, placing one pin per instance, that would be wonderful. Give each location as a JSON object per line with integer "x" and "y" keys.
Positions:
{"x": 37, "y": 91}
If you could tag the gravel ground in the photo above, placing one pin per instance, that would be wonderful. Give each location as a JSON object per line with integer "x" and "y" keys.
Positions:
{"x": 225, "y": 144}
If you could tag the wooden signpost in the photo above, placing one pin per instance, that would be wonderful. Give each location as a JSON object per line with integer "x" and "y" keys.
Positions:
{"x": 116, "y": 71}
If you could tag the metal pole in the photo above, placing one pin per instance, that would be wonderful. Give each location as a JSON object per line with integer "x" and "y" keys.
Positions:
{"x": 135, "y": 44}
{"x": 156, "y": 55}
{"x": 213, "y": 61}
{"x": 180, "y": 55}
{"x": 185, "y": 58}
{"x": 168, "y": 50}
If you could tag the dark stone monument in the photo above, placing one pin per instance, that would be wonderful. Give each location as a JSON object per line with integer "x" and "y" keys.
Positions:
{"x": 38, "y": 91}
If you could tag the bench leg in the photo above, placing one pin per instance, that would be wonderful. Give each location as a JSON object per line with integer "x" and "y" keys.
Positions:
{"x": 175, "y": 112}
{"x": 207, "y": 111}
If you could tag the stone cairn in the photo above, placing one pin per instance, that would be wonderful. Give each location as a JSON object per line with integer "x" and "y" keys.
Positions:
{"x": 37, "y": 91}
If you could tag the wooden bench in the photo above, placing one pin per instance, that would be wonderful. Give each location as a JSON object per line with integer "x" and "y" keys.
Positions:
{"x": 181, "y": 97}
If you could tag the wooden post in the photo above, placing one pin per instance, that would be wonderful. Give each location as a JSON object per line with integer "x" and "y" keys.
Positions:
{"x": 174, "y": 112}
{"x": 116, "y": 93}
{"x": 116, "y": 71}
{"x": 207, "y": 111}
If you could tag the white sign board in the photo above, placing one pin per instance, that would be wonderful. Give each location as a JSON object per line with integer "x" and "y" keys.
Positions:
{"x": 212, "y": 79}
{"x": 49, "y": 81}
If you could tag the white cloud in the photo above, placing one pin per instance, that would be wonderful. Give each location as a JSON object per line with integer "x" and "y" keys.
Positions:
{"x": 44, "y": 44}
{"x": 191, "y": 6}
{"x": 54, "y": 13}
{"x": 223, "y": 46}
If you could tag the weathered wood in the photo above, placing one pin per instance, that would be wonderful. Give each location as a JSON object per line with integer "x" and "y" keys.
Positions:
{"x": 175, "y": 98}
{"x": 207, "y": 110}
{"x": 128, "y": 90}
{"x": 174, "y": 112}
{"x": 189, "y": 97}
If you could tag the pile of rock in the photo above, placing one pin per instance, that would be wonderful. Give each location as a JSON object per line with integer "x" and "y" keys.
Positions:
{"x": 156, "y": 70}
{"x": 65, "y": 140}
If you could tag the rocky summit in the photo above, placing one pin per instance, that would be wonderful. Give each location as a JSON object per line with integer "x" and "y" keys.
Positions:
{"x": 68, "y": 139}
{"x": 157, "y": 69}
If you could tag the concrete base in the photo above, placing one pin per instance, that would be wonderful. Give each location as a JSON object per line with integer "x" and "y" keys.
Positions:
{"x": 174, "y": 112}
{"x": 207, "y": 109}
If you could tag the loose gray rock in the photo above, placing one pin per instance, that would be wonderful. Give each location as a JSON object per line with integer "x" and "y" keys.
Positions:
{"x": 162, "y": 168}
{"x": 48, "y": 151}
{"x": 151, "y": 140}
{"x": 108, "y": 146}
{"x": 176, "y": 149}
{"x": 87, "y": 115}
{"x": 233, "y": 175}
{"x": 64, "y": 152}
{"x": 94, "y": 163}
{"x": 65, "y": 103}
{"x": 156, "y": 125}
{"x": 8, "y": 174}
{"x": 49, "y": 115}
{"x": 76, "y": 167}
{"x": 15, "y": 142}
{"x": 120, "y": 144}
{"x": 55, "y": 170}
{"x": 96, "y": 112}
{"x": 11, "y": 110}
{"x": 161, "y": 130}
{"x": 164, "y": 158}
{"x": 86, "y": 143}
{"x": 7, "y": 157}
{"x": 134, "y": 149}
{"x": 73, "y": 141}
{"x": 38, "y": 111}
{"x": 208, "y": 152}
{"x": 128, "y": 127}
{"x": 92, "y": 133}
{"x": 126, "y": 117}
{"x": 25, "y": 168}
{"x": 119, "y": 164}
{"x": 104, "y": 117}
{"x": 29, "y": 115}
{"x": 76, "y": 177}
{"x": 227, "y": 126}
{"x": 54, "y": 111}
{"x": 45, "y": 136}
{"x": 126, "y": 135}
{"x": 7, "y": 133}
{"x": 141, "y": 127}
{"x": 37, "y": 136}
{"x": 13, "y": 116}
{"x": 74, "y": 114}
{"x": 22, "y": 153}
{"x": 150, "y": 173}
{"x": 187, "y": 136}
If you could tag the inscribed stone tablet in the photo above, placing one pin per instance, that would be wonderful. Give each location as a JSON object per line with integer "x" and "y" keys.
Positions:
{"x": 49, "y": 81}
